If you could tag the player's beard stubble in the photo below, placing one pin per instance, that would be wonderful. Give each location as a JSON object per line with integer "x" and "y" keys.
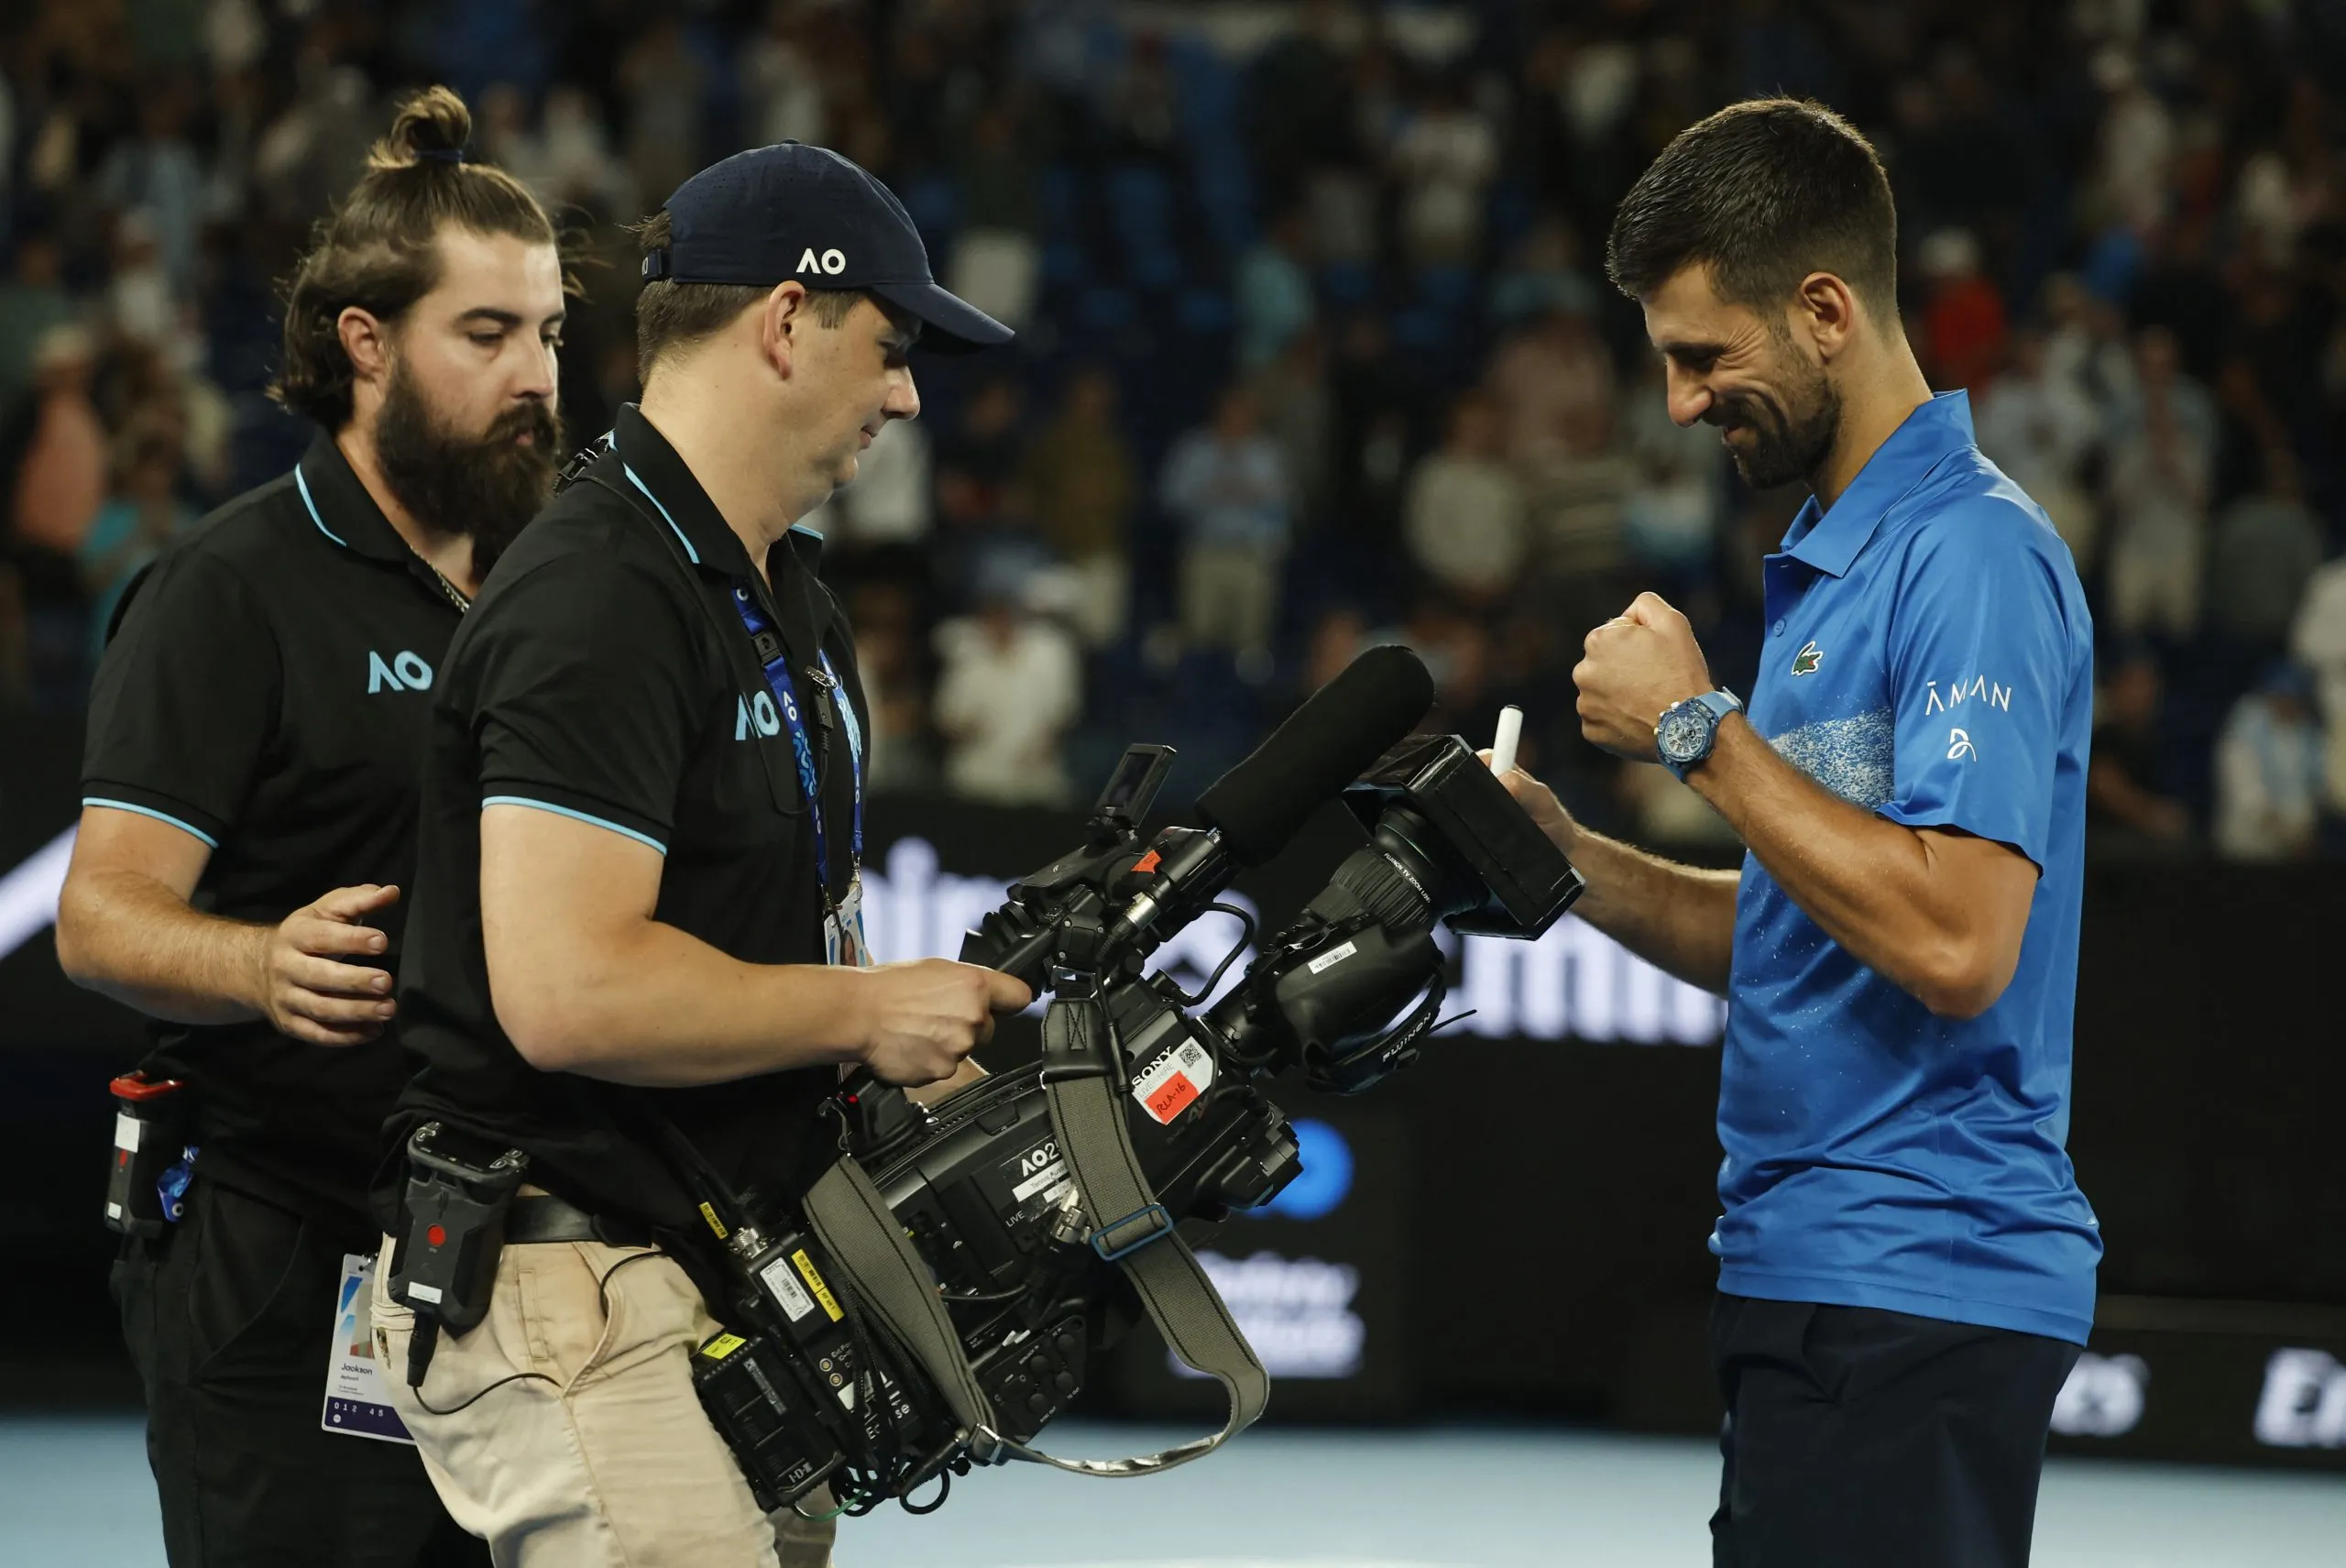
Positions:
{"x": 486, "y": 486}
{"x": 1792, "y": 431}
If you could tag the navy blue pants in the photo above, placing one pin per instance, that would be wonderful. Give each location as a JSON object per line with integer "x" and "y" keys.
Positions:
{"x": 1856, "y": 1438}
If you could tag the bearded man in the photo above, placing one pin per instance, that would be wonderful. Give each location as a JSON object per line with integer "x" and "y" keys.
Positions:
{"x": 1906, "y": 1265}
{"x": 248, "y": 819}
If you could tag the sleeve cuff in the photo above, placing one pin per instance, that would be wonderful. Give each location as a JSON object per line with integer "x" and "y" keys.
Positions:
{"x": 580, "y": 808}
{"x": 192, "y": 820}
{"x": 1952, "y": 816}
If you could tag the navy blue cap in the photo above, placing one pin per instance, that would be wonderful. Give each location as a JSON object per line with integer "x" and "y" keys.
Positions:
{"x": 774, "y": 213}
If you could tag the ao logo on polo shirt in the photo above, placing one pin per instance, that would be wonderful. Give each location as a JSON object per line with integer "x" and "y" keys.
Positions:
{"x": 755, "y": 715}
{"x": 406, "y": 672}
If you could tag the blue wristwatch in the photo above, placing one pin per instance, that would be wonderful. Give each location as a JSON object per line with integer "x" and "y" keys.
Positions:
{"x": 1685, "y": 734}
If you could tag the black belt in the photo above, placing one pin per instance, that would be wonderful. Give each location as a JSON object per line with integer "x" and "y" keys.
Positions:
{"x": 542, "y": 1217}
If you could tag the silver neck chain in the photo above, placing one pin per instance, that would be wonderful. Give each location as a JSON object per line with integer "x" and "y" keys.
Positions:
{"x": 455, "y": 595}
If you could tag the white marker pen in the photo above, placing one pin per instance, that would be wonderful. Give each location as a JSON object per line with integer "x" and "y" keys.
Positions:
{"x": 1510, "y": 734}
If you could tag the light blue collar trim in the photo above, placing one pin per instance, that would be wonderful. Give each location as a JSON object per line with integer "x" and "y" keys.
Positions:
{"x": 304, "y": 485}
{"x": 690, "y": 554}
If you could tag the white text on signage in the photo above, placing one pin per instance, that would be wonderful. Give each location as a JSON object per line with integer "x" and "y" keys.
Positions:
{"x": 2304, "y": 1403}
{"x": 1575, "y": 983}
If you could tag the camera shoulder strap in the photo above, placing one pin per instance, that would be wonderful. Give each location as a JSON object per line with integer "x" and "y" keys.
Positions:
{"x": 1081, "y": 1082}
{"x": 867, "y": 1245}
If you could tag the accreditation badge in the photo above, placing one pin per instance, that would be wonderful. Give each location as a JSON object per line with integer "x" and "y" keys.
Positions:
{"x": 843, "y": 939}
{"x": 358, "y": 1402}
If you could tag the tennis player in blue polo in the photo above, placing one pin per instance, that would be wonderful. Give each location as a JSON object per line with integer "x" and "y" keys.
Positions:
{"x": 1906, "y": 1265}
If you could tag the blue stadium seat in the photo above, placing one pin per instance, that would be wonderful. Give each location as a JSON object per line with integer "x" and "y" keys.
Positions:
{"x": 1205, "y": 311}
{"x": 1060, "y": 190}
{"x": 1348, "y": 284}
{"x": 1447, "y": 289}
{"x": 934, "y": 202}
{"x": 1508, "y": 213}
{"x": 1140, "y": 205}
{"x": 1206, "y": 87}
{"x": 1065, "y": 265}
{"x": 1105, "y": 310}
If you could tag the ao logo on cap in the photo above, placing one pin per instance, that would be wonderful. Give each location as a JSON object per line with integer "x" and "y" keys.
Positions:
{"x": 831, "y": 261}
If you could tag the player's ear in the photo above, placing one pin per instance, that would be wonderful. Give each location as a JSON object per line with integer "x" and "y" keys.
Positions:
{"x": 1826, "y": 308}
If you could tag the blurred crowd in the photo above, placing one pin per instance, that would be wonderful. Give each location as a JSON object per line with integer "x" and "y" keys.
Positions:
{"x": 1316, "y": 347}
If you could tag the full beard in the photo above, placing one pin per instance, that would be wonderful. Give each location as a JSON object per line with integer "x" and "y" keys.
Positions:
{"x": 487, "y": 487}
{"x": 1790, "y": 439}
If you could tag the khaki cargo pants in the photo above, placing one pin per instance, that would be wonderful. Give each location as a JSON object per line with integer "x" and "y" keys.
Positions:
{"x": 600, "y": 1457}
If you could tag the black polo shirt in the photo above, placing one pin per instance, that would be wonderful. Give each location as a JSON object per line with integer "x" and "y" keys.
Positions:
{"x": 605, "y": 674}
{"x": 266, "y": 689}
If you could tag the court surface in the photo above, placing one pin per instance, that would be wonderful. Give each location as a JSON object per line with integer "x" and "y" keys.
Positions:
{"x": 74, "y": 1493}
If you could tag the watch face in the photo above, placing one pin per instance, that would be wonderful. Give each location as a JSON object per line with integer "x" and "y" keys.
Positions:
{"x": 1679, "y": 736}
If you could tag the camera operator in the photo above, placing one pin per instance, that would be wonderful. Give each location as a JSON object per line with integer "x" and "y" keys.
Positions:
{"x": 249, "y": 816}
{"x": 1906, "y": 1265}
{"x": 638, "y": 895}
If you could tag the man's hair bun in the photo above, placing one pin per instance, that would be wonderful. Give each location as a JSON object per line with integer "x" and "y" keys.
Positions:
{"x": 378, "y": 250}
{"x": 432, "y": 127}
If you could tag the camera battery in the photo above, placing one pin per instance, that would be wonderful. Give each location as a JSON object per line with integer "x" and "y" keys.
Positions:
{"x": 765, "y": 1415}
{"x": 814, "y": 1320}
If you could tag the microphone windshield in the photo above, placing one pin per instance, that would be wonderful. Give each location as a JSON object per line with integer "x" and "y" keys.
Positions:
{"x": 1332, "y": 739}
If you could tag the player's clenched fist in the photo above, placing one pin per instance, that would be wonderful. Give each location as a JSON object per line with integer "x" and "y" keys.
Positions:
{"x": 1640, "y": 663}
{"x": 922, "y": 1017}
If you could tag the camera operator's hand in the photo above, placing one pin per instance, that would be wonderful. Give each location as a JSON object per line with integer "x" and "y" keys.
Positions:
{"x": 1540, "y": 802}
{"x": 921, "y": 1018}
{"x": 307, "y": 987}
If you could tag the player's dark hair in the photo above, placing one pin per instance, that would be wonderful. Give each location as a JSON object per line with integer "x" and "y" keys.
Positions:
{"x": 670, "y": 315}
{"x": 1766, "y": 193}
{"x": 376, "y": 250}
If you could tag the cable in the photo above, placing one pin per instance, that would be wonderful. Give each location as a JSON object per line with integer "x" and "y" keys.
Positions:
{"x": 1246, "y": 940}
{"x": 885, "y": 1469}
{"x": 485, "y": 1393}
{"x": 943, "y": 1490}
{"x": 994, "y": 1298}
{"x": 981, "y": 1297}
{"x": 876, "y": 1469}
{"x": 431, "y": 1326}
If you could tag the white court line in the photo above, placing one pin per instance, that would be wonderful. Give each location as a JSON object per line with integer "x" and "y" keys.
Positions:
{"x": 29, "y": 893}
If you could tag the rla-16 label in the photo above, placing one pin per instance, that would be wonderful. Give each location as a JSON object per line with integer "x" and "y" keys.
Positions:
{"x": 1174, "y": 1081}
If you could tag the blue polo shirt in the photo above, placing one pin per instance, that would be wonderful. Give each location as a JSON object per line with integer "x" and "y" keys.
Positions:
{"x": 1929, "y": 657}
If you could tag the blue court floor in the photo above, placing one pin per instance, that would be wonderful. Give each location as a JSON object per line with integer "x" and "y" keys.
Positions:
{"x": 74, "y": 1494}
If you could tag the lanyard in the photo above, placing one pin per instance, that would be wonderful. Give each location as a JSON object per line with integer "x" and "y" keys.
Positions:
{"x": 785, "y": 697}
{"x": 779, "y": 683}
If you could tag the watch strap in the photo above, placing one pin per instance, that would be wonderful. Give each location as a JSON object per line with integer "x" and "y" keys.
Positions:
{"x": 1721, "y": 703}
{"x": 1718, "y": 703}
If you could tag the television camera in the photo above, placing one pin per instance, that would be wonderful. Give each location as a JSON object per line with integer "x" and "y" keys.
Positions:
{"x": 957, "y": 1266}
